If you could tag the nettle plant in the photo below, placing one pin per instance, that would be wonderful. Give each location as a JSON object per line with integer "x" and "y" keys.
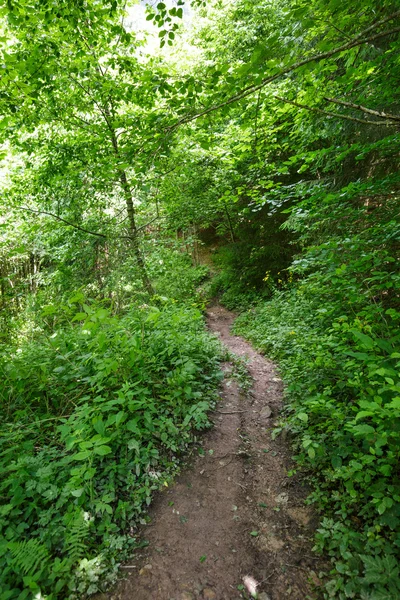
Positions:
{"x": 117, "y": 401}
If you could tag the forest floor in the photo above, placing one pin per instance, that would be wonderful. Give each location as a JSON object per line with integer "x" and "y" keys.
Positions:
{"x": 233, "y": 511}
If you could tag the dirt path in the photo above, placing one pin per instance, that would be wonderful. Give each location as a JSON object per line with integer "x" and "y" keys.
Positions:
{"x": 234, "y": 512}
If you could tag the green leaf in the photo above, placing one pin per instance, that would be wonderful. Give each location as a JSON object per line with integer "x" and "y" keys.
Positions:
{"x": 79, "y": 316}
{"x": 336, "y": 462}
{"x": 303, "y": 417}
{"x": 120, "y": 416}
{"x": 395, "y": 403}
{"x": 133, "y": 426}
{"x": 82, "y": 455}
{"x": 363, "y": 429}
{"x": 134, "y": 445}
{"x": 365, "y": 341}
{"x": 102, "y": 450}
{"x": 364, "y": 413}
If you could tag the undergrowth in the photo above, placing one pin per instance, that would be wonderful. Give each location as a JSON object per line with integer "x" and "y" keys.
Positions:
{"x": 96, "y": 411}
{"x": 343, "y": 399}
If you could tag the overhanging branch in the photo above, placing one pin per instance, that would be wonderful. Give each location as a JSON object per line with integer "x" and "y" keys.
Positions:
{"x": 54, "y": 216}
{"x": 369, "y": 111}
{"x": 359, "y": 40}
{"x": 331, "y": 114}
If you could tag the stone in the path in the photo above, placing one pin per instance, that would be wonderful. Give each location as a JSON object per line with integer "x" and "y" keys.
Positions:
{"x": 209, "y": 594}
{"x": 146, "y": 571}
{"x": 265, "y": 412}
{"x": 282, "y": 498}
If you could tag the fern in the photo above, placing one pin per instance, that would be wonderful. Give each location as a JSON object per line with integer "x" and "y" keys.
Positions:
{"x": 29, "y": 557}
{"x": 74, "y": 546}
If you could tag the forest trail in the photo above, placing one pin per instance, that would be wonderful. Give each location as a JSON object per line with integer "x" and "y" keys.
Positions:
{"x": 233, "y": 512}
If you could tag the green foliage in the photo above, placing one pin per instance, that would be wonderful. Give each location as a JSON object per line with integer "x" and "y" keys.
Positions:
{"x": 240, "y": 372}
{"x": 95, "y": 415}
{"x": 174, "y": 274}
{"x": 242, "y": 277}
{"x": 28, "y": 557}
{"x": 339, "y": 356}
{"x": 277, "y": 135}
{"x": 295, "y": 149}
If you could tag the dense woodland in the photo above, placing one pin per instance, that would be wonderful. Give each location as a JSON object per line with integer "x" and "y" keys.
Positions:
{"x": 244, "y": 150}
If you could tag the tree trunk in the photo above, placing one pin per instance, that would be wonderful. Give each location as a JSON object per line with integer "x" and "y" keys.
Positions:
{"x": 130, "y": 209}
{"x": 229, "y": 223}
{"x": 134, "y": 233}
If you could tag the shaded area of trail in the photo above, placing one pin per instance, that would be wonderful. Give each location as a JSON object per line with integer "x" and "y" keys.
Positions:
{"x": 234, "y": 511}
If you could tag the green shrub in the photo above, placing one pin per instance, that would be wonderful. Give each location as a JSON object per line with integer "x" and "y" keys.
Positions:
{"x": 174, "y": 274}
{"x": 95, "y": 416}
{"x": 343, "y": 389}
{"x": 231, "y": 293}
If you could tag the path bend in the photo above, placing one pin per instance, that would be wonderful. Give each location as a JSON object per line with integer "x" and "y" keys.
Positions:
{"x": 234, "y": 511}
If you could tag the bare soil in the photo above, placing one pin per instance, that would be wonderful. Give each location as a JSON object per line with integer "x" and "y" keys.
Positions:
{"x": 234, "y": 511}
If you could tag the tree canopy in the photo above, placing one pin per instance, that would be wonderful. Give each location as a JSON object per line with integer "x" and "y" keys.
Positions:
{"x": 245, "y": 149}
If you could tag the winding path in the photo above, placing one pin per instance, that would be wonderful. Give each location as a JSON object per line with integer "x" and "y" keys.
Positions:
{"x": 234, "y": 511}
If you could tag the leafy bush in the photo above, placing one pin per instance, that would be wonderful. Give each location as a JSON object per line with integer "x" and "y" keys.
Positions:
{"x": 336, "y": 337}
{"x": 231, "y": 293}
{"x": 95, "y": 415}
{"x": 342, "y": 383}
{"x": 248, "y": 269}
{"x": 174, "y": 274}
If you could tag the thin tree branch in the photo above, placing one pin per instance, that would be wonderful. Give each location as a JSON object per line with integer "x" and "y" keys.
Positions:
{"x": 87, "y": 123}
{"x": 159, "y": 175}
{"x": 116, "y": 216}
{"x": 45, "y": 212}
{"x": 339, "y": 30}
{"x": 88, "y": 93}
{"x": 122, "y": 24}
{"x": 330, "y": 114}
{"x": 369, "y": 111}
{"x": 81, "y": 123}
{"x": 149, "y": 223}
{"x": 247, "y": 91}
